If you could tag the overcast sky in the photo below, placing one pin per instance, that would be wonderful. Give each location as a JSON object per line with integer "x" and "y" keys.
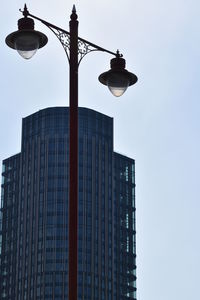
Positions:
{"x": 156, "y": 122}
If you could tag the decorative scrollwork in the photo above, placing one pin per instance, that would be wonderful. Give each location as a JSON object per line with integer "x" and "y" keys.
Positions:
{"x": 64, "y": 38}
{"x": 84, "y": 48}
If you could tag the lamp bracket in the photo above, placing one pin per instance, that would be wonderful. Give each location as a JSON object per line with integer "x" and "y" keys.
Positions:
{"x": 84, "y": 46}
{"x": 64, "y": 37}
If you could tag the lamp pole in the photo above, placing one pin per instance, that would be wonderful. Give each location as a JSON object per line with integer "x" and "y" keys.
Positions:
{"x": 26, "y": 41}
{"x": 73, "y": 159}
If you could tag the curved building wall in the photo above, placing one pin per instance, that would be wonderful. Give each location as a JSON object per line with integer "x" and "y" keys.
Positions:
{"x": 40, "y": 255}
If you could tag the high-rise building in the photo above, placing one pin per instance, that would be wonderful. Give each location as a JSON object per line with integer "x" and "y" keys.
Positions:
{"x": 34, "y": 212}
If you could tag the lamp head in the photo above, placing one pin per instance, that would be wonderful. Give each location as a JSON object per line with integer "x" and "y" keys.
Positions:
{"x": 118, "y": 79}
{"x": 26, "y": 40}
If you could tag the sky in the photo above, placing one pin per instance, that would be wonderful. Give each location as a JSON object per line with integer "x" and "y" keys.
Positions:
{"x": 156, "y": 121}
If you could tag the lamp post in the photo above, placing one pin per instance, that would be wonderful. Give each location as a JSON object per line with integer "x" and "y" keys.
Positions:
{"x": 27, "y": 41}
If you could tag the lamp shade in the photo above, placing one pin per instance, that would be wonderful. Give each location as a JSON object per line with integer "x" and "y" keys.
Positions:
{"x": 118, "y": 79}
{"x": 26, "y": 40}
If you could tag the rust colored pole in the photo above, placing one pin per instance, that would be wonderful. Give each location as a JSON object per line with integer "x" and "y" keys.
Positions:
{"x": 73, "y": 160}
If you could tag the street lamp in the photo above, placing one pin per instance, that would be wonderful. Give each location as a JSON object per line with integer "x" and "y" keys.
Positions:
{"x": 27, "y": 41}
{"x": 117, "y": 78}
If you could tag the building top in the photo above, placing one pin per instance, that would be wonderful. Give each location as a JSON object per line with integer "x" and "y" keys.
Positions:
{"x": 56, "y": 119}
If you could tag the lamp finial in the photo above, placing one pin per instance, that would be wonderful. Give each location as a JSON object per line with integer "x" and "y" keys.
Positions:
{"x": 74, "y": 15}
{"x": 25, "y": 12}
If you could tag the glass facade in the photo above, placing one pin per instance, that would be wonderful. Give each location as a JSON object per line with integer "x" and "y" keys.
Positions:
{"x": 34, "y": 212}
{"x": 124, "y": 228}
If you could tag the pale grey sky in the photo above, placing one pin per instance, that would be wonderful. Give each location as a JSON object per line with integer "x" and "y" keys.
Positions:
{"x": 156, "y": 121}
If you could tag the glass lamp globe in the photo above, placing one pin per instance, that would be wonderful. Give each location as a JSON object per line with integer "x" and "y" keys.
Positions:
{"x": 117, "y": 83}
{"x": 27, "y": 44}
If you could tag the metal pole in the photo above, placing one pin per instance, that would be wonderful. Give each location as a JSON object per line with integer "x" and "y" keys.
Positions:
{"x": 73, "y": 159}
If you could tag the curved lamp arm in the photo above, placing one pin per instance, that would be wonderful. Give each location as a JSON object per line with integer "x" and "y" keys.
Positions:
{"x": 84, "y": 46}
